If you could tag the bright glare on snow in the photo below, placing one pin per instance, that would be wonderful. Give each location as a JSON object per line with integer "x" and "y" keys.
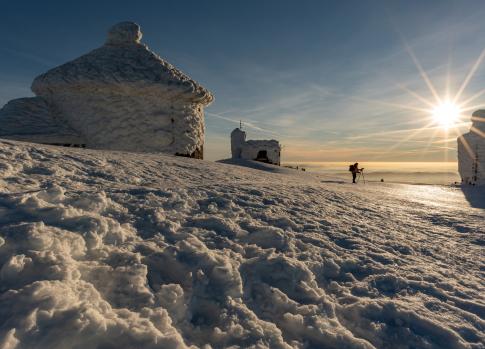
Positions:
{"x": 106, "y": 249}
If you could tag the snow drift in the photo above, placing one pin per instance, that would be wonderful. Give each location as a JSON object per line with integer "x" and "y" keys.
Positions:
{"x": 111, "y": 249}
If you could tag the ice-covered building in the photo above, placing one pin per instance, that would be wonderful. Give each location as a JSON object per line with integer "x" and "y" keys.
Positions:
{"x": 260, "y": 150}
{"x": 121, "y": 96}
{"x": 471, "y": 151}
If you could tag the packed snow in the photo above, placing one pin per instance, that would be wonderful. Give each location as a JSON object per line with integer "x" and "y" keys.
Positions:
{"x": 126, "y": 250}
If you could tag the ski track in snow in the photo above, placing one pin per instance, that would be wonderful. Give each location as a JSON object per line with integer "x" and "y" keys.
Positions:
{"x": 112, "y": 249}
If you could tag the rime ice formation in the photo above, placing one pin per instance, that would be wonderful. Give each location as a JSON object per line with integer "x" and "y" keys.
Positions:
{"x": 260, "y": 150}
{"x": 471, "y": 151}
{"x": 34, "y": 120}
{"x": 103, "y": 249}
{"x": 121, "y": 96}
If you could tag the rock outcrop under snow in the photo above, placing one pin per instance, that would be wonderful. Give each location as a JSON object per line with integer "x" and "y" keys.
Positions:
{"x": 119, "y": 250}
{"x": 121, "y": 96}
{"x": 471, "y": 151}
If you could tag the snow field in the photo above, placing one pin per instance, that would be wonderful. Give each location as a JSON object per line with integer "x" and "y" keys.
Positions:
{"x": 111, "y": 249}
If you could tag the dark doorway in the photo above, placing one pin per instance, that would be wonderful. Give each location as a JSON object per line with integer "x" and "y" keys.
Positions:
{"x": 262, "y": 156}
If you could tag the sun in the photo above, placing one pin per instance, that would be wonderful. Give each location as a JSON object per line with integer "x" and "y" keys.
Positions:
{"x": 446, "y": 114}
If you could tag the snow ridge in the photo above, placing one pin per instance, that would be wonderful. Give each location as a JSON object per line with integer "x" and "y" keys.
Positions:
{"x": 112, "y": 249}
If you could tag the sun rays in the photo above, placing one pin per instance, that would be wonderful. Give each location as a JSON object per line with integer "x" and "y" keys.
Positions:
{"x": 443, "y": 115}
{"x": 447, "y": 111}
{"x": 446, "y": 114}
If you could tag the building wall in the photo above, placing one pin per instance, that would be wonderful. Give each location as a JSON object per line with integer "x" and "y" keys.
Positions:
{"x": 248, "y": 150}
{"x": 471, "y": 151}
{"x": 471, "y": 158}
{"x": 251, "y": 148}
{"x": 238, "y": 139}
{"x": 32, "y": 119}
{"x": 133, "y": 120}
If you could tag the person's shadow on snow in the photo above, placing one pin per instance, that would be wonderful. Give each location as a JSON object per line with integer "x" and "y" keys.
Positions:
{"x": 474, "y": 195}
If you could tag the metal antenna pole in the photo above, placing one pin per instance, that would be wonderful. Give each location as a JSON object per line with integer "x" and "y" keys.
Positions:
{"x": 361, "y": 174}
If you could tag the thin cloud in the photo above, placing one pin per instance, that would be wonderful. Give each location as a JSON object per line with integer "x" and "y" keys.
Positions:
{"x": 29, "y": 56}
{"x": 246, "y": 124}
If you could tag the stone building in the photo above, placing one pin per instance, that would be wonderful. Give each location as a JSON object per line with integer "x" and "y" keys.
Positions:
{"x": 471, "y": 151}
{"x": 120, "y": 96}
{"x": 260, "y": 150}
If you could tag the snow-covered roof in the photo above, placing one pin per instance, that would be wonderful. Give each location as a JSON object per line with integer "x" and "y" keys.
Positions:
{"x": 121, "y": 60}
{"x": 478, "y": 119}
{"x": 237, "y": 130}
{"x": 31, "y": 119}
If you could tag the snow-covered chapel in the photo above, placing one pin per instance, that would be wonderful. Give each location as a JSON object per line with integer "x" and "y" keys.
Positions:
{"x": 121, "y": 96}
{"x": 259, "y": 150}
{"x": 471, "y": 151}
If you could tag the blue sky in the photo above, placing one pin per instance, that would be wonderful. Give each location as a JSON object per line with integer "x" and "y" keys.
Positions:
{"x": 332, "y": 80}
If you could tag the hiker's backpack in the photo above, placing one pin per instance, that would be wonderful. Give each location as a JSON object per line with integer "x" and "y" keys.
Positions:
{"x": 351, "y": 168}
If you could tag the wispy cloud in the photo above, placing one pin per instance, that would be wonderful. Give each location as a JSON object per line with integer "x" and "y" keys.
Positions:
{"x": 27, "y": 55}
{"x": 237, "y": 122}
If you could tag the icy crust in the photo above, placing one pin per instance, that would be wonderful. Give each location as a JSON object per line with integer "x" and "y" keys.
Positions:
{"x": 124, "y": 33}
{"x": 120, "y": 96}
{"x": 471, "y": 158}
{"x": 111, "y": 249}
{"x": 132, "y": 65}
{"x": 33, "y": 119}
{"x": 471, "y": 151}
{"x": 139, "y": 121}
{"x": 478, "y": 120}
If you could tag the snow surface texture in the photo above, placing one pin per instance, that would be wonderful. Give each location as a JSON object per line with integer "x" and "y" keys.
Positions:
{"x": 249, "y": 149}
{"x": 119, "y": 250}
{"x": 471, "y": 151}
{"x": 142, "y": 102}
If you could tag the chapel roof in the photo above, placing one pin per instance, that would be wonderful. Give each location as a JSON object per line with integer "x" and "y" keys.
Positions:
{"x": 122, "y": 60}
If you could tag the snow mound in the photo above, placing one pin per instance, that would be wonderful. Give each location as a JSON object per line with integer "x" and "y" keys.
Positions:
{"x": 112, "y": 249}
